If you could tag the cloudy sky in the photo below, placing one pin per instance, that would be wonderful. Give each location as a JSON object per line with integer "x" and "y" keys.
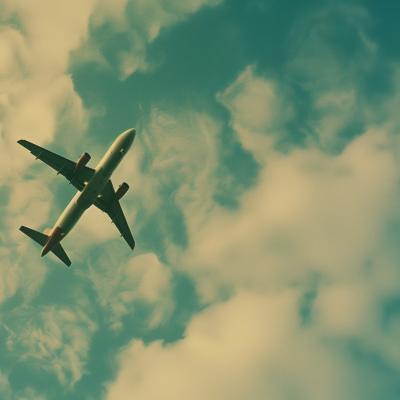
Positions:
{"x": 264, "y": 200}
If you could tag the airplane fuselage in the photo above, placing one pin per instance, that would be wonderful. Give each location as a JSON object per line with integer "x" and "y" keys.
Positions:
{"x": 87, "y": 197}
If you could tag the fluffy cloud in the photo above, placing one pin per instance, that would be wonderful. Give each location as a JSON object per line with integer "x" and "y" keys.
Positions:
{"x": 310, "y": 212}
{"x": 37, "y": 97}
{"x": 35, "y": 86}
{"x": 254, "y": 346}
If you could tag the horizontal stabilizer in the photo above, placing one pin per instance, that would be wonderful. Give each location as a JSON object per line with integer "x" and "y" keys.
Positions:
{"x": 42, "y": 239}
{"x": 61, "y": 254}
{"x": 38, "y": 237}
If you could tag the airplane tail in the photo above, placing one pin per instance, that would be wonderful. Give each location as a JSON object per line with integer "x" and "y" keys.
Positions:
{"x": 42, "y": 238}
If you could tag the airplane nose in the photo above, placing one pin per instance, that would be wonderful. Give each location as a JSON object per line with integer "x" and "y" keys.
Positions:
{"x": 132, "y": 132}
{"x": 126, "y": 139}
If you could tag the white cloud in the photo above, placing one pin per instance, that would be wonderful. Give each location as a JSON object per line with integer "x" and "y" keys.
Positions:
{"x": 142, "y": 278}
{"x": 56, "y": 339}
{"x": 259, "y": 111}
{"x": 310, "y": 212}
{"x": 249, "y": 347}
{"x": 37, "y": 93}
{"x": 51, "y": 30}
{"x": 37, "y": 100}
{"x": 30, "y": 202}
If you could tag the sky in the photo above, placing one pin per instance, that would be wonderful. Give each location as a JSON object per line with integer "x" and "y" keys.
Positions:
{"x": 264, "y": 200}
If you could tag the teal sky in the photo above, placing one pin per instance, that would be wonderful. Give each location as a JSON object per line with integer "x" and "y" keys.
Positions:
{"x": 264, "y": 200}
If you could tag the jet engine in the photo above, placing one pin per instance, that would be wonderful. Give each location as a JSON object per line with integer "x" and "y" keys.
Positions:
{"x": 83, "y": 160}
{"x": 120, "y": 193}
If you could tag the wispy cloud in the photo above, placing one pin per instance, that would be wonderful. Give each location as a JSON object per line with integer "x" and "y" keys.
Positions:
{"x": 121, "y": 288}
{"x": 122, "y": 31}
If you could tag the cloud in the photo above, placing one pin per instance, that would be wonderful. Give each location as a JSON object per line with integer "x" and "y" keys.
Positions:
{"x": 4, "y": 386}
{"x": 122, "y": 31}
{"x": 51, "y": 26}
{"x": 37, "y": 101}
{"x": 252, "y": 345}
{"x": 310, "y": 211}
{"x": 142, "y": 279}
{"x": 308, "y": 237}
{"x": 314, "y": 208}
{"x": 304, "y": 257}
{"x": 259, "y": 110}
{"x": 37, "y": 93}
{"x": 165, "y": 174}
{"x": 171, "y": 173}
{"x": 333, "y": 67}
{"x": 307, "y": 261}
{"x": 54, "y": 341}
{"x": 36, "y": 87}
{"x": 305, "y": 254}
{"x": 187, "y": 165}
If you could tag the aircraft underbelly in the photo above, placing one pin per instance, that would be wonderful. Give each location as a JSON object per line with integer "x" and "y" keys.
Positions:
{"x": 83, "y": 200}
{"x": 89, "y": 194}
{"x": 70, "y": 216}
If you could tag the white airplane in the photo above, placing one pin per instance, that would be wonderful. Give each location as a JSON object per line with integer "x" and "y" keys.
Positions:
{"x": 94, "y": 187}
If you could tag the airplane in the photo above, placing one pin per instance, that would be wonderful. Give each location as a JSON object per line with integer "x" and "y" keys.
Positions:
{"x": 94, "y": 187}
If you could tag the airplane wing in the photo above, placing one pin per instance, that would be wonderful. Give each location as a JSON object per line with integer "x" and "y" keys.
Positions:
{"x": 108, "y": 204}
{"x": 63, "y": 166}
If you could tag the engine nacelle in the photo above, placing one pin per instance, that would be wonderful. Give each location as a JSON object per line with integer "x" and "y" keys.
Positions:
{"x": 120, "y": 193}
{"x": 83, "y": 160}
